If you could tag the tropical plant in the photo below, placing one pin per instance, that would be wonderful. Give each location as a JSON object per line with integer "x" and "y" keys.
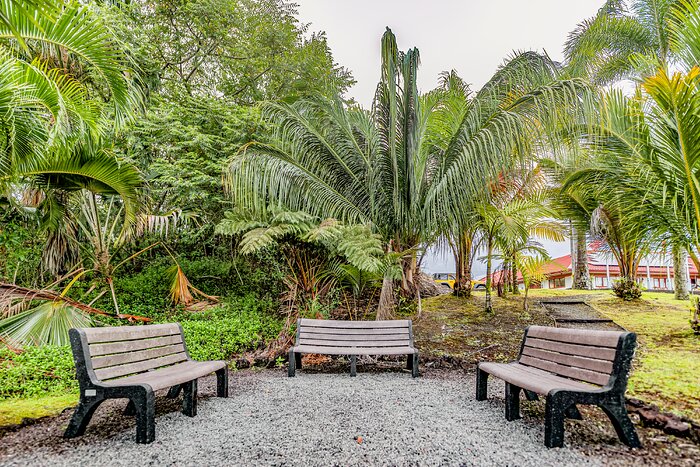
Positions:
{"x": 627, "y": 39}
{"x": 381, "y": 169}
{"x": 312, "y": 247}
{"x": 532, "y": 271}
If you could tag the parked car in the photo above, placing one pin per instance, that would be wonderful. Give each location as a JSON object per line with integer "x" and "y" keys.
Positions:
{"x": 447, "y": 279}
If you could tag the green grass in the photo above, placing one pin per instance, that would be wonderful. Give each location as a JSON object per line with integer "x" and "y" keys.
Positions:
{"x": 12, "y": 411}
{"x": 667, "y": 365}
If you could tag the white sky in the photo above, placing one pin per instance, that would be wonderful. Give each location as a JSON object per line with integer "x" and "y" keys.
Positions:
{"x": 472, "y": 36}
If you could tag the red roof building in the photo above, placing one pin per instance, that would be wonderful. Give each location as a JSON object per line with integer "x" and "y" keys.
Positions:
{"x": 652, "y": 276}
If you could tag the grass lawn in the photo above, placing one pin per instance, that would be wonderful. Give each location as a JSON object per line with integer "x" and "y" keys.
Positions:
{"x": 667, "y": 370}
{"x": 12, "y": 411}
{"x": 667, "y": 366}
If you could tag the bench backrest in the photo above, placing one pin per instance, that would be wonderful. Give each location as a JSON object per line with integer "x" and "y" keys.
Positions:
{"x": 115, "y": 352}
{"x": 602, "y": 358}
{"x": 343, "y": 334}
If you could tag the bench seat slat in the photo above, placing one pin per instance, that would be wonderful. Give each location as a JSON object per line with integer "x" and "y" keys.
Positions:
{"x": 130, "y": 333}
{"x": 139, "y": 367}
{"x": 97, "y": 350}
{"x": 356, "y": 331}
{"x": 576, "y": 336}
{"x": 533, "y": 379}
{"x": 170, "y": 376}
{"x": 600, "y": 366}
{"x": 354, "y": 337}
{"x": 352, "y": 344}
{"x": 570, "y": 372}
{"x": 599, "y": 353}
{"x": 354, "y": 351}
{"x": 329, "y": 323}
{"x": 137, "y": 356}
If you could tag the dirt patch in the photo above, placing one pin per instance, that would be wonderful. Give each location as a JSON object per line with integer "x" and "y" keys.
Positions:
{"x": 455, "y": 331}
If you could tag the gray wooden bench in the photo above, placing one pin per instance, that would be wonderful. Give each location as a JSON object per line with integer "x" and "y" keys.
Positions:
{"x": 569, "y": 367}
{"x": 132, "y": 362}
{"x": 353, "y": 338}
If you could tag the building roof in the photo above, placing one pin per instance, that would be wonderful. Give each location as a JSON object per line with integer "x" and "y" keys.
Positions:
{"x": 561, "y": 267}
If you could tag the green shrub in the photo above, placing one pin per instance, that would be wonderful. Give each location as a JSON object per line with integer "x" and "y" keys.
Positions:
{"x": 36, "y": 371}
{"x": 627, "y": 289}
{"x": 236, "y": 326}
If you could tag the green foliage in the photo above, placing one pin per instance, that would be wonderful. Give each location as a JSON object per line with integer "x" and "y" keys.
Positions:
{"x": 36, "y": 371}
{"x": 627, "y": 289}
{"x": 234, "y": 327}
{"x": 20, "y": 249}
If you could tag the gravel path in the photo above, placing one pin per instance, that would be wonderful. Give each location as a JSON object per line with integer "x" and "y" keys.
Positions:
{"x": 313, "y": 419}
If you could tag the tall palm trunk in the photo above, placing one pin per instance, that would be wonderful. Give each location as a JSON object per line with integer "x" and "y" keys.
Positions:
{"x": 488, "y": 307}
{"x": 463, "y": 265}
{"x": 582, "y": 276}
{"x": 514, "y": 277}
{"x": 385, "y": 310}
{"x": 680, "y": 273}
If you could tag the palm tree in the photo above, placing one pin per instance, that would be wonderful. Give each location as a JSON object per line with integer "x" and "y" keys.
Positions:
{"x": 383, "y": 168}
{"x": 625, "y": 39}
{"x": 54, "y": 57}
{"x": 634, "y": 39}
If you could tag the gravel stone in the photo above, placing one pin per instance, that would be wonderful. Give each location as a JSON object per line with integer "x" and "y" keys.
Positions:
{"x": 315, "y": 419}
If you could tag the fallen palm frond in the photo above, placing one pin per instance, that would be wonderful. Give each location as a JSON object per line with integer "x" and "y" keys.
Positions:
{"x": 46, "y": 323}
{"x": 11, "y": 294}
{"x": 182, "y": 291}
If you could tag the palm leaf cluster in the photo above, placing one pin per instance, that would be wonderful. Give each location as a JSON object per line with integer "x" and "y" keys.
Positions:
{"x": 414, "y": 166}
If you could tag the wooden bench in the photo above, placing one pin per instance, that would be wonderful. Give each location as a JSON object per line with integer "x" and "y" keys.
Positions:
{"x": 132, "y": 362}
{"x": 353, "y": 338}
{"x": 569, "y": 367}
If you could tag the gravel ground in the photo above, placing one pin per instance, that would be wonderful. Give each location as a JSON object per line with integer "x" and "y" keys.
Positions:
{"x": 313, "y": 419}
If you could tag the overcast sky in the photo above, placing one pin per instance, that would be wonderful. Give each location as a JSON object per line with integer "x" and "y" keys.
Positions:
{"x": 473, "y": 37}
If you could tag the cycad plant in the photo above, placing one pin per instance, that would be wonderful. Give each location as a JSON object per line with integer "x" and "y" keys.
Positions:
{"x": 405, "y": 168}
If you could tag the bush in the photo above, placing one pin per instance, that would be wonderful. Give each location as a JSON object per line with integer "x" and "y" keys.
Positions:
{"x": 36, "y": 371}
{"x": 234, "y": 327}
{"x": 627, "y": 289}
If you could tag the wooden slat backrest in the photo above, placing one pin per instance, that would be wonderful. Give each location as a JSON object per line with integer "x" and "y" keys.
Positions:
{"x": 115, "y": 352}
{"x": 354, "y": 334}
{"x": 585, "y": 355}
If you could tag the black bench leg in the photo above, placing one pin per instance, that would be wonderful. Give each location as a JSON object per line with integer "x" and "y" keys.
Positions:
{"x": 189, "y": 399}
{"x": 573, "y": 413}
{"x": 481, "y": 384}
{"x": 291, "y": 366}
{"x": 130, "y": 409}
{"x": 353, "y": 365}
{"x": 174, "y": 391}
{"x": 222, "y": 382}
{"x": 81, "y": 417}
{"x": 529, "y": 395}
{"x": 409, "y": 362}
{"x": 145, "y": 416}
{"x": 512, "y": 402}
{"x": 297, "y": 360}
{"x": 617, "y": 413}
{"x": 414, "y": 365}
{"x": 554, "y": 421}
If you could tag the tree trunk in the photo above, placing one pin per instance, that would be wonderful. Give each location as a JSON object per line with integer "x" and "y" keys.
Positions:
{"x": 514, "y": 277}
{"x": 488, "y": 307}
{"x": 387, "y": 300}
{"x": 526, "y": 306}
{"x": 582, "y": 277}
{"x": 463, "y": 266}
{"x": 680, "y": 273}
